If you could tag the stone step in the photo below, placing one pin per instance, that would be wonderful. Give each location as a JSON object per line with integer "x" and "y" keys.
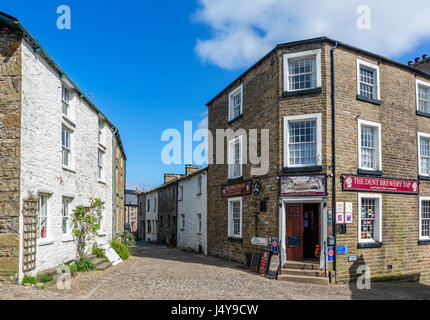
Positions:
{"x": 302, "y": 265}
{"x": 303, "y": 279}
{"x": 92, "y": 256}
{"x": 302, "y": 272}
{"x": 103, "y": 266}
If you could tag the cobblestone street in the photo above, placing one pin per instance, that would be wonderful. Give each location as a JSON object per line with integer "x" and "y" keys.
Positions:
{"x": 157, "y": 272}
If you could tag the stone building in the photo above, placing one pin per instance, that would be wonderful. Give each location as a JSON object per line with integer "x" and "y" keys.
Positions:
{"x": 358, "y": 153}
{"x": 141, "y": 216}
{"x": 57, "y": 152}
{"x": 150, "y": 207}
{"x": 119, "y": 187}
{"x": 131, "y": 208}
{"x": 192, "y": 200}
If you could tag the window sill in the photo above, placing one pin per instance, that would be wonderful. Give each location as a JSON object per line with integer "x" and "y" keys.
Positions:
{"x": 369, "y": 245}
{"x": 234, "y": 239}
{"x": 67, "y": 238}
{"x": 302, "y": 92}
{"x": 181, "y": 229}
{"x": 423, "y": 114}
{"x": 69, "y": 121}
{"x": 424, "y": 242}
{"x": 101, "y": 181}
{"x": 199, "y": 194}
{"x": 44, "y": 242}
{"x": 426, "y": 178}
{"x": 180, "y": 199}
{"x": 374, "y": 101}
{"x": 66, "y": 168}
{"x": 235, "y": 119}
{"x": 235, "y": 180}
{"x": 199, "y": 233}
{"x": 369, "y": 172}
{"x": 102, "y": 234}
{"x": 302, "y": 169}
{"x": 101, "y": 146}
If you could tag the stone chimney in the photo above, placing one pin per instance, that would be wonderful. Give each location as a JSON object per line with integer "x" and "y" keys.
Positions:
{"x": 191, "y": 169}
{"x": 168, "y": 177}
{"x": 422, "y": 64}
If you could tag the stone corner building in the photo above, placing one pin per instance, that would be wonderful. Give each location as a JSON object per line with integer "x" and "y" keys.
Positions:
{"x": 57, "y": 150}
{"x": 371, "y": 164}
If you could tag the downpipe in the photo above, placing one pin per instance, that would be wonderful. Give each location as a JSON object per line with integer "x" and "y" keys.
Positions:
{"x": 333, "y": 150}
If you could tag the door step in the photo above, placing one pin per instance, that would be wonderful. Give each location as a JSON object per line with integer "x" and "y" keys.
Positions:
{"x": 302, "y": 265}
{"x": 100, "y": 263}
{"x": 302, "y": 272}
{"x": 303, "y": 279}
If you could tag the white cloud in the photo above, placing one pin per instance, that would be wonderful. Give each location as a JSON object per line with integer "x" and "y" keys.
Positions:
{"x": 203, "y": 124}
{"x": 244, "y": 30}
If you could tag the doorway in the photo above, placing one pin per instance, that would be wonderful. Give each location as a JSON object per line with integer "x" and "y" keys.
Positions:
{"x": 303, "y": 232}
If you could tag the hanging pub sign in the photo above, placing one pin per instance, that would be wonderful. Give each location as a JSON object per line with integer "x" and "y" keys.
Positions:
{"x": 314, "y": 185}
{"x": 236, "y": 189}
{"x": 388, "y": 185}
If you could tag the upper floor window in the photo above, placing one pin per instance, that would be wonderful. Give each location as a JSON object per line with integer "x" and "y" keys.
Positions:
{"x": 180, "y": 193}
{"x": 155, "y": 204}
{"x": 149, "y": 205}
{"x": 423, "y": 96}
{"x": 199, "y": 185}
{"x": 100, "y": 131}
{"x": 235, "y": 103}
{"x": 302, "y": 70}
{"x": 66, "y": 145}
{"x": 424, "y": 154}
{"x": 100, "y": 156}
{"x": 368, "y": 80}
{"x": 235, "y": 158}
{"x": 370, "y": 145}
{"x": 424, "y": 218}
{"x": 65, "y": 97}
{"x": 369, "y": 218}
{"x": 302, "y": 140}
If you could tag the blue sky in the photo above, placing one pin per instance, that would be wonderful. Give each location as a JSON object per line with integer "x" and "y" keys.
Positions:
{"x": 152, "y": 65}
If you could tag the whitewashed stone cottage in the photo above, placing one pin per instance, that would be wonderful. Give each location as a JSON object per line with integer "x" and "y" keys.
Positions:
{"x": 192, "y": 209}
{"x": 151, "y": 208}
{"x": 55, "y": 145}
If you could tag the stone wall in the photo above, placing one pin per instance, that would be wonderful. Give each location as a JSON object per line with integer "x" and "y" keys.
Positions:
{"x": 167, "y": 210}
{"x": 120, "y": 164}
{"x": 10, "y": 136}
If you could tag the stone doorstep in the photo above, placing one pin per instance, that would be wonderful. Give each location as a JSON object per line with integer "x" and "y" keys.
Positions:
{"x": 302, "y": 265}
{"x": 304, "y": 279}
{"x": 302, "y": 272}
{"x": 100, "y": 263}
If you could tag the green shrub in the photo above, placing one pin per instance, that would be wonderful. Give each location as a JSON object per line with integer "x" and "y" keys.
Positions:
{"x": 45, "y": 278}
{"x": 121, "y": 249}
{"x": 72, "y": 268}
{"x": 29, "y": 279}
{"x": 100, "y": 253}
{"x": 85, "y": 265}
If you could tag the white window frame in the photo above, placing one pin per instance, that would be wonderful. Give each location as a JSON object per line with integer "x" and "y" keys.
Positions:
{"x": 68, "y": 216}
{"x": 422, "y": 84}
{"x": 419, "y": 136}
{"x": 100, "y": 165}
{"x": 373, "y": 67}
{"x": 100, "y": 129}
{"x": 199, "y": 184}
{"x": 65, "y": 102}
{"x": 230, "y": 157}
{"x": 230, "y": 102}
{"x": 199, "y": 223}
{"x": 182, "y": 222}
{"x": 230, "y": 218}
{"x": 149, "y": 226}
{"x": 301, "y": 55}
{"x": 378, "y": 217}
{"x": 313, "y": 116}
{"x": 48, "y": 231}
{"x": 378, "y": 141}
{"x": 181, "y": 193}
{"x": 69, "y": 148}
{"x": 421, "y": 237}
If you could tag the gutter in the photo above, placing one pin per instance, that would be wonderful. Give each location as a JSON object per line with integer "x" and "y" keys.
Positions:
{"x": 333, "y": 150}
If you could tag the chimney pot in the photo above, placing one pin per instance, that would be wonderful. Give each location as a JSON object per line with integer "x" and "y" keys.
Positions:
{"x": 425, "y": 56}
{"x": 417, "y": 59}
{"x": 410, "y": 62}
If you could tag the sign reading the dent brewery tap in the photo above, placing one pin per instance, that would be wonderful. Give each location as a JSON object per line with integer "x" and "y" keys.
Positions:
{"x": 236, "y": 189}
{"x": 303, "y": 185}
{"x": 354, "y": 183}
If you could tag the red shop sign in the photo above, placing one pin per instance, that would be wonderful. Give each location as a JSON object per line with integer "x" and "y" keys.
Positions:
{"x": 354, "y": 183}
{"x": 236, "y": 189}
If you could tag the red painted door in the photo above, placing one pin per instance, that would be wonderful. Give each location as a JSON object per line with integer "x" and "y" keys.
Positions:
{"x": 294, "y": 234}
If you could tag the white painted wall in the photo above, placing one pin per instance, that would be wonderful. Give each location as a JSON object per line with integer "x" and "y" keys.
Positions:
{"x": 41, "y": 157}
{"x": 152, "y": 215}
{"x": 191, "y": 205}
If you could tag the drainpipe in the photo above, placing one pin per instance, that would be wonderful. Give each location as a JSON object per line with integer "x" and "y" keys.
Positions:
{"x": 333, "y": 150}
{"x": 113, "y": 183}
